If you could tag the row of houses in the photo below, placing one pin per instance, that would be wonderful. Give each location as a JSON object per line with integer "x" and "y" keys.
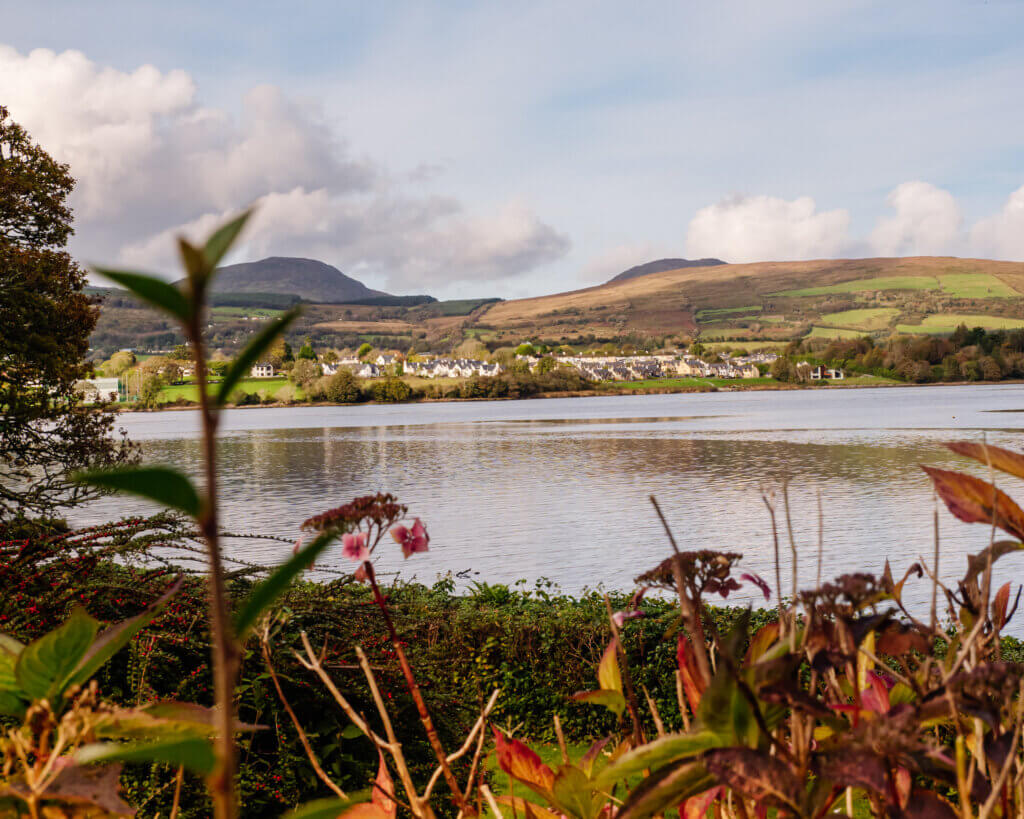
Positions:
{"x": 450, "y": 368}
{"x": 635, "y": 368}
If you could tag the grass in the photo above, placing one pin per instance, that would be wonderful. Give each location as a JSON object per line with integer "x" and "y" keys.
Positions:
{"x": 874, "y": 318}
{"x": 723, "y": 311}
{"x": 976, "y": 286}
{"x": 948, "y": 322}
{"x": 248, "y": 385}
{"x": 861, "y": 285}
{"x": 685, "y": 381}
{"x": 833, "y": 332}
{"x": 234, "y": 312}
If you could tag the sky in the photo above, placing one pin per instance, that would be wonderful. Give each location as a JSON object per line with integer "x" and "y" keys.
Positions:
{"x": 471, "y": 149}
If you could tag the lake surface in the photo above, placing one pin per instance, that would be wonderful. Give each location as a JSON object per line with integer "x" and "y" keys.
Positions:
{"x": 559, "y": 488}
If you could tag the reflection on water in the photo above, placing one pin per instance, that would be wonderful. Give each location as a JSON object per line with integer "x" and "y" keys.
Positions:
{"x": 565, "y": 496}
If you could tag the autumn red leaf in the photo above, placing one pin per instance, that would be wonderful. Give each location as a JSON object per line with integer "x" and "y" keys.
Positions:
{"x": 973, "y": 500}
{"x": 1004, "y": 460}
{"x": 693, "y": 683}
{"x": 522, "y": 764}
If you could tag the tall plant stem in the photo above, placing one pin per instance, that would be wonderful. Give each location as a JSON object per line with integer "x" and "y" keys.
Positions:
{"x": 414, "y": 690}
{"x": 225, "y": 645}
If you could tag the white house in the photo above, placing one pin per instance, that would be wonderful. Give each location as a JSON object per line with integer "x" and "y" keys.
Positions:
{"x": 384, "y": 360}
{"x": 262, "y": 370}
{"x": 99, "y": 389}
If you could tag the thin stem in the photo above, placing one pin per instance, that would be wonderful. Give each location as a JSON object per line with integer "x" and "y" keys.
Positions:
{"x": 627, "y": 679}
{"x": 417, "y": 696}
{"x": 265, "y": 646}
{"x": 225, "y": 646}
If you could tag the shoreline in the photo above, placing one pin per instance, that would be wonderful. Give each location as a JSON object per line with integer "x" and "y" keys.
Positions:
{"x": 781, "y": 387}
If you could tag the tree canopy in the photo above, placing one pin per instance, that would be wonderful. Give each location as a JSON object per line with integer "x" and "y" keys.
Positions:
{"x": 45, "y": 322}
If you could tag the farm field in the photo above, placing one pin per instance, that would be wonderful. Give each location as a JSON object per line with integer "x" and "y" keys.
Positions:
{"x": 237, "y": 312}
{"x": 948, "y": 322}
{"x": 872, "y": 318}
{"x": 718, "y": 312}
{"x": 248, "y": 385}
{"x": 676, "y": 383}
{"x": 976, "y": 286}
{"x": 833, "y": 332}
{"x": 862, "y": 285}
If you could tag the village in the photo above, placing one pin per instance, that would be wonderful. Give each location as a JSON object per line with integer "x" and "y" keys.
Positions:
{"x": 596, "y": 368}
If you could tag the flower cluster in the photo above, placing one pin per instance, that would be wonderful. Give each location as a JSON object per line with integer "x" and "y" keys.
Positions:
{"x": 363, "y": 522}
{"x": 371, "y": 512}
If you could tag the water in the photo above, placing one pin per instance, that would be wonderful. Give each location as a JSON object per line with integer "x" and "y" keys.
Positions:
{"x": 559, "y": 489}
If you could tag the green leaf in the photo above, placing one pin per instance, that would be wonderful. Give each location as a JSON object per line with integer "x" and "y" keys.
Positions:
{"x": 322, "y": 809}
{"x": 161, "y": 484}
{"x": 223, "y": 238}
{"x": 194, "y": 261}
{"x": 574, "y": 795}
{"x": 12, "y": 698}
{"x": 270, "y": 589}
{"x": 45, "y": 666}
{"x": 664, "y": 789}
{"x": 195, "y": 753}
{"x": 251, "y": 354}
{"x": 613, "y": 700}
{"x": 117, "y": 637}
{"x": 152, "y": 290}
{"x": 656, "y": 754}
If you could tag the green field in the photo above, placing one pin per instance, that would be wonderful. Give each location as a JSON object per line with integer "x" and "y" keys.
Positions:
{"x": 248, "y": 385}
{"x": 976, "y": 286}
{"x": 861, "y": 285}
{"x": 721, "y": 312}
{"x": 948, "y": 322}
{"x": 237, "y": 312}
{"x": 876, "y": 318}
{"x": 683, "y": 382}
{"x": 833, "y": 332}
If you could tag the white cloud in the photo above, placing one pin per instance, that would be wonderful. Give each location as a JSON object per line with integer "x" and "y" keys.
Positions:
{"x": 405, "y": 243}
{"x": 151, "y": 162}
{"x": 1001, "y": 236}
{"x": 927, "y": 222}
{"x": 765, "y": 228}
{"x": 619, "y": 258}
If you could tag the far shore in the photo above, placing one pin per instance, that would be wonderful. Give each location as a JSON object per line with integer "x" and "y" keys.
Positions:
{"x": 591, "y": 394}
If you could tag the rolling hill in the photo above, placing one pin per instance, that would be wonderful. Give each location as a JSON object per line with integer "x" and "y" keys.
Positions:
{"x": 307, "y": 278}
{"x": 661, "y": 265}
{"x": 773, "y": 299}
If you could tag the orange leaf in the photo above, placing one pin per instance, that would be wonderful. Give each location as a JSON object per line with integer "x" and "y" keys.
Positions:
{"x": 522, "y": 764}
{"x": 762, "y": 641}
{"x": 527, "y": 808}
{"x": 609, "y": 677}
{"x": 999, "y": 605}
{"x": 384, "y": 789}
{"x": 696, "y": 807}
{"x": 1004, "y": 460}
{"x": 693, "y": 684}
{"x": 364, "y": 810}
{"x": 976, "y": 501}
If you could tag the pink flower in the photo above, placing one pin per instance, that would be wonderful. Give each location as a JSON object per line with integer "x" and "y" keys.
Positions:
{"x": 412, "y": 540}
{"x": 353, "y": 546}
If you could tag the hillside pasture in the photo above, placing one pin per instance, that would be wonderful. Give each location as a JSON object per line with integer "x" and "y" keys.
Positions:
{"x": 833, "y": 332}
{"x": 976, "y": 286}
{"x": 874, "y": 318}
{"x": 942, "y": 323}
{"x": 866, "y": 285}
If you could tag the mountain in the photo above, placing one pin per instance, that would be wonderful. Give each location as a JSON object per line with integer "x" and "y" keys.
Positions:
{"x": 307, "y": 278}
{"x": 778, "y": 300}
{"x": 661, "y": 265}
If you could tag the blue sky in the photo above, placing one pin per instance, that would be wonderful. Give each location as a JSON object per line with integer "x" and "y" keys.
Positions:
{"x": 520, "y": 148}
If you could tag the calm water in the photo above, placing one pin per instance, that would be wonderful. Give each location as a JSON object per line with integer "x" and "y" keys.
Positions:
{"x": 559, "y": 488}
